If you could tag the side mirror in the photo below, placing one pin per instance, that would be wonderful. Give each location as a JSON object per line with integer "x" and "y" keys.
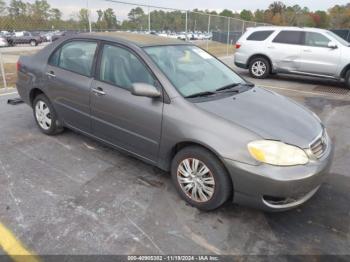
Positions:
{"x": 143, "y": 89}
{"x": 332, "y": 45}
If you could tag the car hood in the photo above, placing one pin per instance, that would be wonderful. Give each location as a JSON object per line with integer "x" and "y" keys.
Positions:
{"x": 269, "y": 115}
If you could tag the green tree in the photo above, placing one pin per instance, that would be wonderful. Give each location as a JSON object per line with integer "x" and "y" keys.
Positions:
{"x": 3, "y": 8}
{"x": 136, "y": 14}
{"x": 83, "y": 18}
{"x": 246, "y": 15}
{"x": 110, "y": 18}
{"x": 226, "y": 12}
{"x": 277, "y": 8}
{"x": 17, "y": 8}
{"x": 55, "y": 14}
{"x": 40, "y": 10}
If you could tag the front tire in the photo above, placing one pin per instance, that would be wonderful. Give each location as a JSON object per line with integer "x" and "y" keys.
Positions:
{"x": 347, "y": 79}
{"x": 200, "y": 178}
{"x": 259, "y": 68}
{"x": 33, "y": 43}
{"x": 45, "y": 116}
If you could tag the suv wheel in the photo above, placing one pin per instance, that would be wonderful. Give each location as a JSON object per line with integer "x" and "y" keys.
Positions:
{"x": 33, "y": 43}
{"x": 200, "y": 178}
{"x": 259, "y": 67}
{"x": 45, "y": 116}
{"x": 347, "y": 79}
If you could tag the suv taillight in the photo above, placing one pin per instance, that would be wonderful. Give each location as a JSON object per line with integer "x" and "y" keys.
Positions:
{"x": 238, "y": 46}
{"x": 18, "y": 66}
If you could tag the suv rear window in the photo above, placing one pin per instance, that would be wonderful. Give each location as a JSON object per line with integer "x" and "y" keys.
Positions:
{"x": 260, "y": 35}
{"x": 289, "y": 37}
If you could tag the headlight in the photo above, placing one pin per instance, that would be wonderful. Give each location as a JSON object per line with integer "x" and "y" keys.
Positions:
{"x": 277, "y": 153}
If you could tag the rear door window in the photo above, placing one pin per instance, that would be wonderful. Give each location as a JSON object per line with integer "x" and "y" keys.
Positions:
{"x": 260, "y": 35}
{"x": 289, "y": 37}
{"x": 75, "y": 56}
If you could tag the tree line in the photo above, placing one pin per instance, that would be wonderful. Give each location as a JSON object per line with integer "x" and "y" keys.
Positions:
{"x": 39, "y": 15}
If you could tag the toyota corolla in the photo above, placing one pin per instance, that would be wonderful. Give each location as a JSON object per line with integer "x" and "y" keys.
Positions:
{"x": 175, "y": 106}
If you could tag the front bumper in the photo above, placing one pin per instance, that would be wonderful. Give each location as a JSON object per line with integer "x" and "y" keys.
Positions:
{"x": 274, "y": 188}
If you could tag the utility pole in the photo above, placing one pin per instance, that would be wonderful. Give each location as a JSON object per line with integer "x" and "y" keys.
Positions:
{"x": 88, "y": 9}
{"x": 149, "y": 18}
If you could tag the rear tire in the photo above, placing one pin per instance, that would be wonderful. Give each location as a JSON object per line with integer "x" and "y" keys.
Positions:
{"x": 45, "y": 116}
{"x": 259, "y": 67}
{"x": 33, "y": 43}
{"x": 347, "y": 79}
{"x": 200, "y": 178}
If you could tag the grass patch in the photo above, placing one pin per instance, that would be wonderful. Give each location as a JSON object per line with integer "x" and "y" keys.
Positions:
{"x": 216, "y": 48}
{"x": 11, "y": 75}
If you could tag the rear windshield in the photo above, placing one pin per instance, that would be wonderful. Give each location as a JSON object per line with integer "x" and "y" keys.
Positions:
{"x": 260, "y": 35}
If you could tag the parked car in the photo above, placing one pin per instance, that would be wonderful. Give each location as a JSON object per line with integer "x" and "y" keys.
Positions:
{"x": 294, "y": 50}
{"x": 3, "y": 41}
{"x": 175, "y": 106}
{"x": 58, "y": 35}
{"x": 23, "y": 38}
{"x": 343, "y": 33}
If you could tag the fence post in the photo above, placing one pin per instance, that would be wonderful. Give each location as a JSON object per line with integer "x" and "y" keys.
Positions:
{"x": 3, "y": 71}
{"x": 208, "y": 32}
{"x": 149, "y": 19}
{"x": 186, "y": 24}
{"x": 243, "y": 25}
{"x": 228, "y": 36}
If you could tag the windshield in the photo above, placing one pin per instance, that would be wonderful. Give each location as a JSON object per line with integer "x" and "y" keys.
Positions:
{"x": 338, "y": 38}
{"x": 192, "y": 70}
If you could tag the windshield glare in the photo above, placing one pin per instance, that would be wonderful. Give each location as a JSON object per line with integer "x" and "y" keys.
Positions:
{"x": 192, "y": 70}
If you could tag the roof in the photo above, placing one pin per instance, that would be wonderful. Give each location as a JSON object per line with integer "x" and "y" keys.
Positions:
{"x": 137, "y": 39}
{"x": 312, "y": 29}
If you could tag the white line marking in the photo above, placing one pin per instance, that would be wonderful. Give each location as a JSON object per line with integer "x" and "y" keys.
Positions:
{"x": 301, "y": 91}
{"x": 7, "y": 94}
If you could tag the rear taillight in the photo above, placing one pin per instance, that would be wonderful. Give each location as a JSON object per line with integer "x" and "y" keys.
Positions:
{"x": 18, "y": 66}
{"x": 238, "y": 46}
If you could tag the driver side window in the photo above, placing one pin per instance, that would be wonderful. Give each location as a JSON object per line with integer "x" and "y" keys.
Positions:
{"x": 122, "y": 68}
{"x": 316, "y": 39}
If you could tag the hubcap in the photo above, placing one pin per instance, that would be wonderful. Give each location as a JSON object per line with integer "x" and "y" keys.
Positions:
{"x": 196, "y": 180}
{"x": 259, "y": 68}
{"x": 43, "y": 115}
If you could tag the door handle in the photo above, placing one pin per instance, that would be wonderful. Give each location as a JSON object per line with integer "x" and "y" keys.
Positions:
{"x": 307, "y": 50}
{"x": 51, "y": 74}
{"x": 98, "y": 91}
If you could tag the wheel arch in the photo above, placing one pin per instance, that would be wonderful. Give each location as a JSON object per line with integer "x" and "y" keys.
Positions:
{"x": 344, "y": 71}
{"x": 34, "y": 93}
{"x": 180, "y": 145}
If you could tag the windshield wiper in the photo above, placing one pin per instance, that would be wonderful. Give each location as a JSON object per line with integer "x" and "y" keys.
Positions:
{"x": 233, "y": 85}
{"x": 227, "y": 87}
{"x": 205, "y": 93}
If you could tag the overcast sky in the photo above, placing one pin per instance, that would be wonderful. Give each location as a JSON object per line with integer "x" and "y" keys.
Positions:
{"x": 72, "y": 6}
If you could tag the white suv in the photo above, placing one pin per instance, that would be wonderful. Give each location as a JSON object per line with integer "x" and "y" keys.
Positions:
{"x": 294, "y": 50}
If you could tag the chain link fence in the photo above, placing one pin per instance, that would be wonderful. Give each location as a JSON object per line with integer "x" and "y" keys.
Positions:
{"x": 26, "y": 29}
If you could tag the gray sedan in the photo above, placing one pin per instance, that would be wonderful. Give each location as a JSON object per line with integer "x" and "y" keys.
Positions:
{"x": 175, "y": 106}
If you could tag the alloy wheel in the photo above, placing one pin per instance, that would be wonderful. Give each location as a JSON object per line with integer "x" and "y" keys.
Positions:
{"x": 43, "y": 115}
{"x": 259, "y": 68}
{"x": 196, "y": 180}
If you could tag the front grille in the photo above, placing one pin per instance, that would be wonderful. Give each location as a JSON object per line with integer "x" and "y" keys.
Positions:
{"x": 319, "y": 145}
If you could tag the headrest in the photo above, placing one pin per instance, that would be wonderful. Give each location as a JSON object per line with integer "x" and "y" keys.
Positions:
{"x": 73, "y": 52}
